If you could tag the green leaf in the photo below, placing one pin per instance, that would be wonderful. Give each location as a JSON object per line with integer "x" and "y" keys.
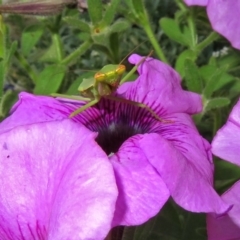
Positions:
{"x": 138, "y": 6}
{"x": 214, "y": 78}
{"x": 10, "y": 54}
{"x": 54, "y": 53}
{"x": 119, "y": 26}
{"x": 225, "y": 174}
{"x": 50, "y": 79}
{"x": 173, "y": 31}
{"x": 180, "y": 62}
{"x": 95, "y": 10}
{"x": 194, "y": 226}
{"x": 225, "y": 169}
{"x": 2, "y": 38}
{"x": 2, "y": 76}
{"x": 50, "y": 55}
{"x": 26, "y": 66}
{"x": 218, "y": 102}
{"x": 231, "y": 60}
{"x": 84, "y": 36}
{"x": 192, "y": 77}
{"x": 114, "y": 46}
{"x": 2, "y": 57}
{"x": 213, "y": 83}
{"x": 7, "y": 101}
{"x": 30, "y": 37}
{"x": 110, "y": 12}
{"x": 234, "y": 90}
{"x": 77, "y": 23}
{"x": 102, "y": 38}
{"x": 130, "y": 12}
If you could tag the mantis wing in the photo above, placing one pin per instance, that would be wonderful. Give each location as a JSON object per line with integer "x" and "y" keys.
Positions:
{"x": 86, "y": 84}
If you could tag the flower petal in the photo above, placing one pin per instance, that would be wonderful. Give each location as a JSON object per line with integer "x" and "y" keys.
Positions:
{"x": 188, "y": 184}
{"x": 34, "y": 109}
{"x": 158, "y": 86}
{"x": 183, "y": 135}
{"x": 142, "y": 192}
{"x": 224, "y": 18}
{"x": 226, "y": 142}
{"x": 228, "y": 226}
{"x": 196, "y": 2}
{"x": 55, "y": 183}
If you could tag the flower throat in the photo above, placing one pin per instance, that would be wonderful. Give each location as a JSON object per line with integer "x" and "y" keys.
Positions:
{"x": 115, "y": 122}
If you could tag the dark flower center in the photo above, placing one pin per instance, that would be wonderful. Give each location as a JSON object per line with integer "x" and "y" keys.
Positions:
{"x": 115, "y": 122}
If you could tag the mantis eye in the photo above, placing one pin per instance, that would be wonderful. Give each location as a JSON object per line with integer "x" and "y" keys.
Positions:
{"x": 100, "y": 76}
{"x": 121, "y": 69}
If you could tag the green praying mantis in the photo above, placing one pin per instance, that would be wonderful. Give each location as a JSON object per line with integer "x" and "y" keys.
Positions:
{"x": 103, "y": 85}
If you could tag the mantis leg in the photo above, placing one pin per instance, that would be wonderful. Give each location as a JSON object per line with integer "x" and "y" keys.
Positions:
{"x": 141, "y": 105}
{"x": 83, "y": 108}
{"x": 126, "y": 77}
{"x": 79, "y": 98}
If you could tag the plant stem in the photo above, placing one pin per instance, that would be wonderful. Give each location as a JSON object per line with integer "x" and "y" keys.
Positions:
{"x": 216, "y": 121}
{"x": 208, "y": 40}
{"x": 78, "y": 52}
{"x": 192, "y": 27}
{"x": 2, "y": 54}
{"x": 26, "y": 66}
{"x": 57, "y": 42}
{"x": 154, "y": 42}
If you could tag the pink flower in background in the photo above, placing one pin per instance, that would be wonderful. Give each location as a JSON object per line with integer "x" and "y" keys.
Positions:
{"x": 113, "y": 164}
{"x": 226, "y": 145}
{"x": 196, "y": 2}
{"x": 226, "y": 227}
{"x": 224, "y": 17}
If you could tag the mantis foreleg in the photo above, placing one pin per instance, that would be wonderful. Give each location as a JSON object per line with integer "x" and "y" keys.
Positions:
{"x": 79, "y": 98}
{"x": 73, "y": 97}
{"x": 141, "y": 105}
{"x": 83, "y": 108}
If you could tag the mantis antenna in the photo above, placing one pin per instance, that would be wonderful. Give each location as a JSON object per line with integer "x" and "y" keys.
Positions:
{"x": 131, "y": 52}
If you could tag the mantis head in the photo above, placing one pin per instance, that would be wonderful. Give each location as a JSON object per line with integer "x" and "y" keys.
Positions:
{"x": 110, "y": 74}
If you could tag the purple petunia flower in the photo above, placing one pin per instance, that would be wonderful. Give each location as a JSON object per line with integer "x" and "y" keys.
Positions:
{"x": 226, "y": 144}
{"x": 226, "y": 227}
{"x": 224, "y": 17}
{"x": 51, "y": 186}
{"x": 58, "y": 182}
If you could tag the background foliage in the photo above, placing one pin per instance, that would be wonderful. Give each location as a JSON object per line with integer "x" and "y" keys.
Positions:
{"x": 43, "y": 55}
